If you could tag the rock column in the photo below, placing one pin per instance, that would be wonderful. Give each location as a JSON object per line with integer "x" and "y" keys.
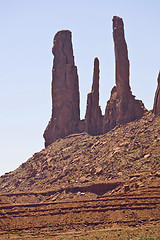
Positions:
{"x": 65, "y": 90}
{"x": 94, "y": 118}
{"x": 122, "y": 106}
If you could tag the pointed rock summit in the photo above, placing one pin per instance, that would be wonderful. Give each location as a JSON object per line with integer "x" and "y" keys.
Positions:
{"x": 156, "y": 106}
{"x": 122, "y": 106}
{"x": 94, "y": 118}
{"x": 65, "y": 90}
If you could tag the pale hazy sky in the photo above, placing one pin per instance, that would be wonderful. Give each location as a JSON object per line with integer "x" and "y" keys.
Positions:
{"x": 27, "y": 31}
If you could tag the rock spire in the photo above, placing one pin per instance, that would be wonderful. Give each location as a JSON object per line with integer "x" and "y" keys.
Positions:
{"x": 94, "y": 118}
{"x": 122, "y": 106}
{"x": 156, "y": 106}
{"x": 65, "y": 90}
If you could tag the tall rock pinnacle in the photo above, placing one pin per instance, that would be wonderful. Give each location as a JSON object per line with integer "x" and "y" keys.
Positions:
{"x": 156, "y": 106}
{"x": 121, "y": 57}
{"x": 65, "y": 90}
{"x": 122, "y": 106}
{"x": 94, "y": 118}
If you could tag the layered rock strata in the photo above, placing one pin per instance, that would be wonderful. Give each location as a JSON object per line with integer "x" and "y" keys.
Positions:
{"x": 156, "y": 106}
{"x": 93, "y": 117}
{"x": 65, "y": 117}
{"x": 122, "y": 106}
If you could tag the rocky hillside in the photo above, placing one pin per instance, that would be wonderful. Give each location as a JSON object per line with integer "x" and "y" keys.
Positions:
{"x": 81, "y": 160}
{"x": 90, "y": 187}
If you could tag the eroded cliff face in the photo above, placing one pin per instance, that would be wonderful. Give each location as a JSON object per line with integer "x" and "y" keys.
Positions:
{"x": 93, "y": 117}
{"x": 122, "y": 106}
{"x": 156, "y": 106}
{"x": 65, "y": 90}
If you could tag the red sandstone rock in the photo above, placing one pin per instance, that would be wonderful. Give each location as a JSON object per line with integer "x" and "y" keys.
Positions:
{"x": 156, "y": 106}
{"x": 94, "y": 118}
{"x": 65, "y": 90}
{"x": 122, "y": 106}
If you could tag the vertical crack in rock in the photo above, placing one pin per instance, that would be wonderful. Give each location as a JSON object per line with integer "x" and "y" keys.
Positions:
{"x": 94, "y": 118}
{"x": 65, "y": 117}
{"x": 122, "y": 106}
{"x": 156, "y": 106}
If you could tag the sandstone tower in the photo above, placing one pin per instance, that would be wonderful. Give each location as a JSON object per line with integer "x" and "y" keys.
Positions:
{"x": 65, "y": 90}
